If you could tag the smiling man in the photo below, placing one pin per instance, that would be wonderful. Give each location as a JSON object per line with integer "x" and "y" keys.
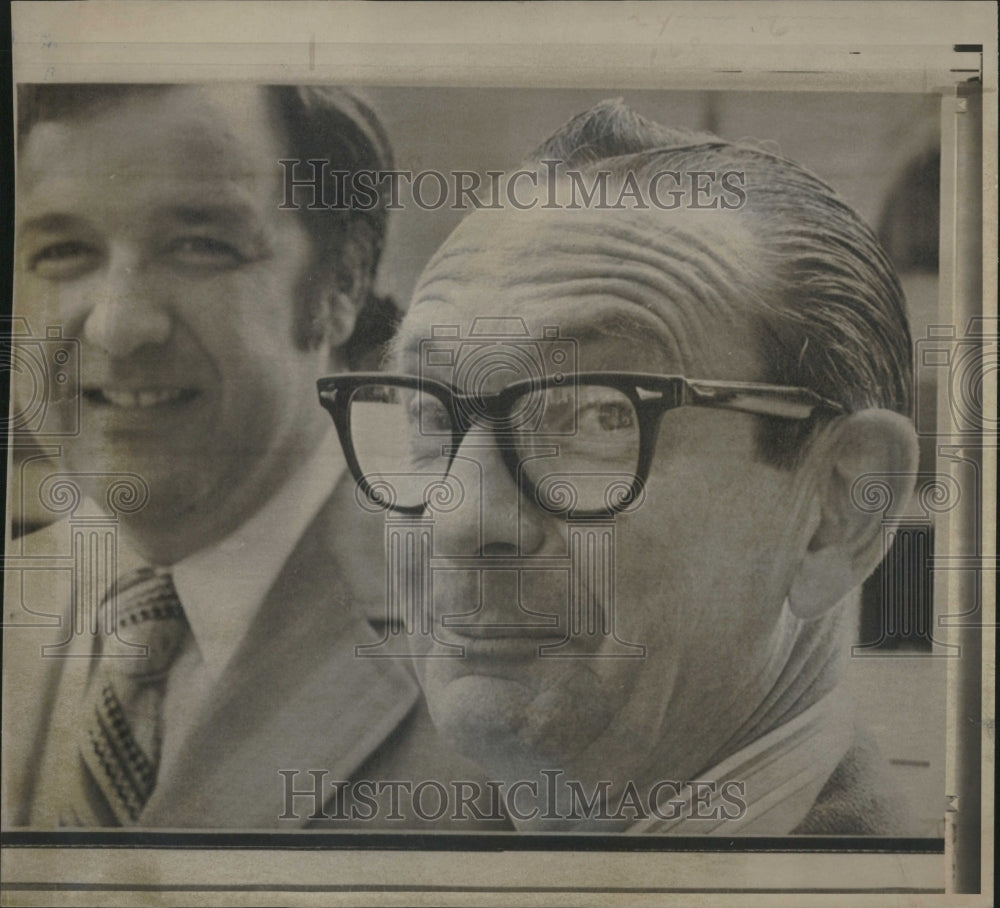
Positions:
{"x": 634, "y": 429}
{"x": 155, "y": 231}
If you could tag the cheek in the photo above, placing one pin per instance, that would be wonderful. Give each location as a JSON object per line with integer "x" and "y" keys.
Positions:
{"x": 255, "y": 301}
{"x": 702, "y": 552}
{"x": 46, "y": 303}
{"x": 265, "y": 401}
{"x": 249, "y": 334}
{"x": 63, "y": 304}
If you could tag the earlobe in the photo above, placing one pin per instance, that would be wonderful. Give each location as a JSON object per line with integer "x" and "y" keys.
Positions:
{"x": 345, "y": 291}
{"x": 847, "y": 542}
{"x": 342, "y": 313}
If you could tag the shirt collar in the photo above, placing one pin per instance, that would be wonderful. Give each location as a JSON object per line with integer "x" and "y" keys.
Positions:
{"x": 781, "y": 775}
{"x": 222, "y": 586}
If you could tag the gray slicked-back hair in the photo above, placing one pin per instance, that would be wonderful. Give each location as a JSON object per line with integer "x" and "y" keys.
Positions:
{"x": 833, "y": 318}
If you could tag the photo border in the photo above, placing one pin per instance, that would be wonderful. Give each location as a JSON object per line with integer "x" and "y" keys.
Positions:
{"x": 756, "y": 46}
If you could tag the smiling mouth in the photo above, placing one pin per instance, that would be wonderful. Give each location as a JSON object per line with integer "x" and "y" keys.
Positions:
{"x": 140, "y": 398}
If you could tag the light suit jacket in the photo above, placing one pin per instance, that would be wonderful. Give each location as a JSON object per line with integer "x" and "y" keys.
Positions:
{"x": 294, "y": 697}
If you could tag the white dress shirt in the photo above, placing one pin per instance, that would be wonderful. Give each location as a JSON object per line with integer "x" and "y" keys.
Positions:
{"x": 781, "y": 775}
{"x": 222, "y": 587}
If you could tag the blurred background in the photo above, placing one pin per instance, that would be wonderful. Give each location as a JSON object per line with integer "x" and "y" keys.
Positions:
{"x": 861, "y": 144}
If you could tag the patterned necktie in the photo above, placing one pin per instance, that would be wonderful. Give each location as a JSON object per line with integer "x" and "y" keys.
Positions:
{"x": 123, "y": 726}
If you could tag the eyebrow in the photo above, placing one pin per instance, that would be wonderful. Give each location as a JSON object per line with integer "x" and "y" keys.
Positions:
{"x": 238, "y": 213}
{"x": 622, "y": 322}
{"x": 51, "y": 223}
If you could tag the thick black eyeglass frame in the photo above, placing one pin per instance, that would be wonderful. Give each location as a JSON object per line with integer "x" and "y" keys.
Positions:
{"x": 651, "y": 395}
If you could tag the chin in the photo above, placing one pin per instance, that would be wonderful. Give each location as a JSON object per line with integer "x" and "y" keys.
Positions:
{"x": 482, "y": 717}
{"x": 510, "y": 729}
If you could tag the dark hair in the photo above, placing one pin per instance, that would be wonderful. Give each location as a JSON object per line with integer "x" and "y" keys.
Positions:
{"x": 318, "y": 122}
{"x": 833, "y": 318}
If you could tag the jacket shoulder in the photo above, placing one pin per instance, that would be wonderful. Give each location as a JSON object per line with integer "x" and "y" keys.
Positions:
{"x": 859, "y": 799}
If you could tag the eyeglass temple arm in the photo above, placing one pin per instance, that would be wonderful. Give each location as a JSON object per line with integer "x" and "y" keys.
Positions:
{"x": 746, "y": 397}
{"x": 766, "y": 400}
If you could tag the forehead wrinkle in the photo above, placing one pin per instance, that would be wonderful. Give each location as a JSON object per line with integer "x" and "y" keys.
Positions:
{"x": 674, "y": 271}
{"x": 456, "y": 246}
{"x": 585, "y": 315}
{"x": 699, "y": 274}
{"x": 687, "y": 258}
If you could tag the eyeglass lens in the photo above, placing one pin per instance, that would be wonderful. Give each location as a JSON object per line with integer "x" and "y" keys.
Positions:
{"x": 578, "y": 444}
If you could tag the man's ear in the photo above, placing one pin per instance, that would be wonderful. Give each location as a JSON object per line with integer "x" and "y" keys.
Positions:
{"x": 349, "y": 287}
{"x": 846, "y": 541}
{"x": 341, "y": 314}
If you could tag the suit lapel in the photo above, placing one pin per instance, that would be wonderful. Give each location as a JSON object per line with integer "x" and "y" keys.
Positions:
{"x": 295, "y": 697}
{"x": 37, "y": 724}
{"x": 29, "y": 698}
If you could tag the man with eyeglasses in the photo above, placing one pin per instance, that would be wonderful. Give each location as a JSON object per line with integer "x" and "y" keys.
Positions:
{"x": 629, "y": 434}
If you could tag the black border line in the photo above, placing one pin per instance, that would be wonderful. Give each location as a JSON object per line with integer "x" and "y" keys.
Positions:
{"x": 6, "y": 217}
{"x": 472, "y": 842}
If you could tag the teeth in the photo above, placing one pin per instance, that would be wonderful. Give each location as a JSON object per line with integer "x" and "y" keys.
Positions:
{"x": 140, "y": 399}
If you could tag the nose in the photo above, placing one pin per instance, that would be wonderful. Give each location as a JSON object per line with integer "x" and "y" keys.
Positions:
{"x": 124, "y": 314}
{"x": 493, "y": 518}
